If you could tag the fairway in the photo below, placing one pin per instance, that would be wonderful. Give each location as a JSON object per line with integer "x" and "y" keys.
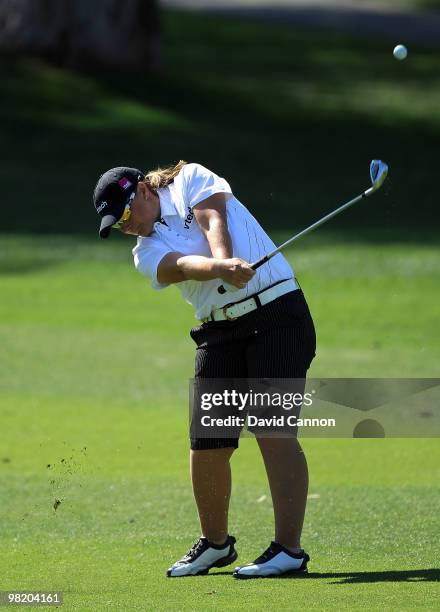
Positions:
{"x": 95, "y": 494}
{"x": 94, "y": 414}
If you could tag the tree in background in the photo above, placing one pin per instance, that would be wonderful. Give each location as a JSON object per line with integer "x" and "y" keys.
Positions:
{"x": 80, "y": 33}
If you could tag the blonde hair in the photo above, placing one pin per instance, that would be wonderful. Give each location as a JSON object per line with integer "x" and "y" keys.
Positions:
{"x": 163, "y": 176}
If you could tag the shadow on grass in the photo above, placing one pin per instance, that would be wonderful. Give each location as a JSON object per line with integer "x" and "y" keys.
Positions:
{"x": 420, "y": 575}
{"x": 12, "y": 268}
{"x": 290, "y": 118}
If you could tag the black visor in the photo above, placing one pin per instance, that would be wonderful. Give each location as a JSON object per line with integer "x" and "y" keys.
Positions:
{"x": 106, "y": 225}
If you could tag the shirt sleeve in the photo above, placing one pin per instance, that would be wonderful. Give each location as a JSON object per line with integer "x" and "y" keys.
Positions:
{"x": 201, "y": 183}
{"x": 147, "y": 258}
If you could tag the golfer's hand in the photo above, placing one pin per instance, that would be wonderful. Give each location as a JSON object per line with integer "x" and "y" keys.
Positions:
{"x": 235, "y": 272}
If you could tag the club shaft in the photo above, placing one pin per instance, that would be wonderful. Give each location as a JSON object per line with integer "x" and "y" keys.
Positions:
{"x": 309, "y": 229}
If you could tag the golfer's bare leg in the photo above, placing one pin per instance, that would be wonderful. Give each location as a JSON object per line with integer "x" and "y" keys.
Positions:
{"x": 287, "y": 471}
{"x": 211, "y": 479}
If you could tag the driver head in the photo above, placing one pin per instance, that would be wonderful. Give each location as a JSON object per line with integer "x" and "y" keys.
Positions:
{"x": 378, "y": 173}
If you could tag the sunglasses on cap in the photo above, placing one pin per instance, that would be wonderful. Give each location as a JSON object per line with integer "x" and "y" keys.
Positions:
{"x": 126, "y": 214}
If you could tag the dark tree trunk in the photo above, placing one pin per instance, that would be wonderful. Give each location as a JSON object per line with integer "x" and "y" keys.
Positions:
{"x": 123, "y": 33}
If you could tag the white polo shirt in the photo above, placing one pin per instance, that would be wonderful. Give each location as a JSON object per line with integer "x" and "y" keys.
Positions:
{"x": 178, "y": 231}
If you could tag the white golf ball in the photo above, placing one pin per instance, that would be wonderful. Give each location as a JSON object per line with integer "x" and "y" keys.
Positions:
{"x": 400, "y": 52}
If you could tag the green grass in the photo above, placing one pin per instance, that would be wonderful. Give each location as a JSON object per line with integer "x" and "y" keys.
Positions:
{"x": 94, "y": 365}
{"x": 290, "y": 117}
{"x": 428, "y": 5}
{"x": 93, "y": 412}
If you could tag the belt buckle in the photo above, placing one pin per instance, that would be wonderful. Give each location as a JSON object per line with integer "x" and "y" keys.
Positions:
{"x": 227, "y": 316}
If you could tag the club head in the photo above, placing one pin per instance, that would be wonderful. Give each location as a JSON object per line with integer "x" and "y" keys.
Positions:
{"x": 378, "y": 173}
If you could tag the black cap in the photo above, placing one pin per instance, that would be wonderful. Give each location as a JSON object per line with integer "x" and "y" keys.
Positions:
{"x": 112, "y": 192}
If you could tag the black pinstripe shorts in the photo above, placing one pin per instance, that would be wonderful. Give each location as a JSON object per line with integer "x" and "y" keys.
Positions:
{"x": 275, "y": 341}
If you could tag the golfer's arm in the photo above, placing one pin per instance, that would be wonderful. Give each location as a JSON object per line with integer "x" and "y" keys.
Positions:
{"x": 211, "y": 217}
{"x": 175, "y": 268}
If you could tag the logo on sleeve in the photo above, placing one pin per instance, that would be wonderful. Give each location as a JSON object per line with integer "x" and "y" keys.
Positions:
{"x": 101, "y": 207}
{"x": 189, "y": 218}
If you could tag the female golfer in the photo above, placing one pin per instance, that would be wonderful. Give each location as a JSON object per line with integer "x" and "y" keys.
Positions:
{"x": 193, "y": 232}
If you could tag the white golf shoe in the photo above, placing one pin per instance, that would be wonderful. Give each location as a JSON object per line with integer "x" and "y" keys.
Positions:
{"x": 275, "y": 561}
{"x": 202, "y": 556}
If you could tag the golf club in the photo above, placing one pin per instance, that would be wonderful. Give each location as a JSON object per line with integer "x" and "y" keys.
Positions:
{"x": 378, "y": 174}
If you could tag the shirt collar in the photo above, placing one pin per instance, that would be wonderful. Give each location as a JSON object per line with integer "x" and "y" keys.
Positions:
{"x": 167, "y": 207}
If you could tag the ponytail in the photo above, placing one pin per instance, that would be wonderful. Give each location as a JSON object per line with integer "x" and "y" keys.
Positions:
{"x": 161, "y": 177}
